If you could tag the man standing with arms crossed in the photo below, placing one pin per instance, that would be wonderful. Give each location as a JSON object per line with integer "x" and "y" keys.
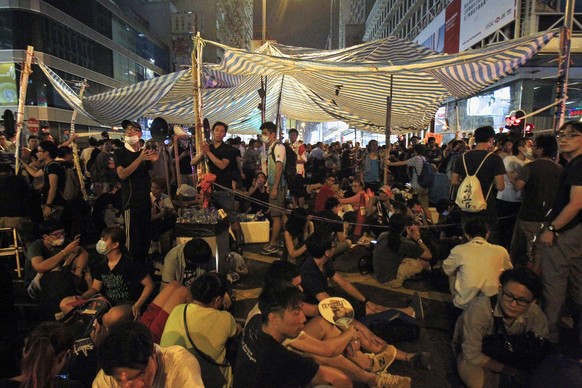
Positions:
{"x": 561, "y": 256}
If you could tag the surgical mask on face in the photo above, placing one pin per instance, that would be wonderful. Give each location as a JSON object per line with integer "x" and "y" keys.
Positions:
{"x": 264, "y": 138}
{"x": 528, "y": 152}
{"x": 131, "y": 140}
{"x": 101, "y": 247}
{"x": 59, "y": 241}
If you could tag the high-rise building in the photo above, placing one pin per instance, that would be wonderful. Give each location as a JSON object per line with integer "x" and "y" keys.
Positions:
{"x": 96, "y": 40}
{"x": 225, "y": 21}
{"x": 453, "y": 26}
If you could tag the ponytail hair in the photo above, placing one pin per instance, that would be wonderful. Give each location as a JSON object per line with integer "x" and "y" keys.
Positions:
{"x": 207, "y": 287}
{"x": 43, "y": 352}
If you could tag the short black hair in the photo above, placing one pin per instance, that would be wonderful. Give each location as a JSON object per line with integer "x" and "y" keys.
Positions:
{"x": 116, "y": 234}
{"x": 269, "y": 126}
{"x": 476, "y": 228}
{"x": 50, "y": 147}
{"x": 318, "y": 244}
{"x": 32, "y": 137}
{"x": 92, "y": 141}
{"x": 420, "y": 149}
{"x": 65, "y": 151}
{"x": 277, "y": 297}
{"x": 548, "y": 145}
{"x": 220, "y": 123}
{"x": 281, "y": 270}
{"x": 524, "y": 276}
{"x": 484, "y": 134}
{"x": 198, "y": 251}
{"x": 573, "y": 125}
{"x": 208, "y": 286}
{"x": 128, "y": 345}
{"x": 519, "y": 142}
{"x": 331, "y": 202}
{"x": 293, "y": 130}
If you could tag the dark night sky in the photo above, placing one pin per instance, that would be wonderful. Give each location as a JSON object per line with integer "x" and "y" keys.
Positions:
{"x": 303, "y": 23}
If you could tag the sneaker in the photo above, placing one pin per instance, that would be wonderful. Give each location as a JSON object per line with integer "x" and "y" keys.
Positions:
{"x": 269, "y": 250}
{"x": 381, "y": 361}
{"x": 386, "y": 380}
{"x": 420, "y": 361}
{"x": 417, "y": 306}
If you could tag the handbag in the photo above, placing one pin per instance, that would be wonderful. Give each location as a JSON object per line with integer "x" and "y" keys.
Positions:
{"x": 521, "y": 351}
{"x": 211, "y": 370}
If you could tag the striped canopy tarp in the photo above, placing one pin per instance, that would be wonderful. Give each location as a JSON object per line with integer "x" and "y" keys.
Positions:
{"x": 350, "y": 84}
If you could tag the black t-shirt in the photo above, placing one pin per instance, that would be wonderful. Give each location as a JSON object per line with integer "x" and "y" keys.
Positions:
{"x": 313, "y": 280}
{"x": 263, "y": 362}
{"x": 136, "y": 187}
{"x": 327, "y": 228}
{"x": 123, "y": 282}
{"x": 54, "y": 167}
{"x": 15, "y": 192}
{"x": 223, "y": 177}
{"x": 542, "y": 178}
{"x": 264, "y": 197}
{"x": 492, "y": 167}
{"x": 386, "y": 261}
{"x": 571, "y": 176}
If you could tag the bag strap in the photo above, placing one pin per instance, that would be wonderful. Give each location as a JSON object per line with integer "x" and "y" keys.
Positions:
{"x": 498, "y": 326}
{"x": 476, "y": 172}
{"x": 205, "y": 356}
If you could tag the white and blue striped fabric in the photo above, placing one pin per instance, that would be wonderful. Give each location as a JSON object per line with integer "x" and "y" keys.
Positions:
{"x": 350, "y": 84}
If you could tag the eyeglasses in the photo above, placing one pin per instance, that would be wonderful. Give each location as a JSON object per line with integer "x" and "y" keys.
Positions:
{"x": 510, "y": 298}
{"x": 567, "y": 136}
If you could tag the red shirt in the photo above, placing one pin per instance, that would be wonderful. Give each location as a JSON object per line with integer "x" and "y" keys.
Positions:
{"x": 325, "y": 192}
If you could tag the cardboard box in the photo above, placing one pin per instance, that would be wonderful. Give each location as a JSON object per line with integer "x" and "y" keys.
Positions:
{"x": 255, "y": 231}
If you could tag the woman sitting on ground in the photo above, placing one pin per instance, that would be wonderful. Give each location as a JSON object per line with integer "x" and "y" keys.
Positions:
{"x": 297, "y": 229}
{"x": 208, "y": 327}
{"x": 122, "y": 281}
{"x": 46, "y": 351}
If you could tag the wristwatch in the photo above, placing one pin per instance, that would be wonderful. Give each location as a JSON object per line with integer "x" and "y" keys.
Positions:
{"x": 552, "y": 229}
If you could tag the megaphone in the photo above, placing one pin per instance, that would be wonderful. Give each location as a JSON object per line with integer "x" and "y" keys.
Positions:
{"x": 159, "y": 129}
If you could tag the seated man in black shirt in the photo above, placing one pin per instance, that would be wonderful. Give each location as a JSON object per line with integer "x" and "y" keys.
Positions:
{"x": 263, "y": 361}
{"x": 316, "y": 271}
{"x": 334, "y": 226}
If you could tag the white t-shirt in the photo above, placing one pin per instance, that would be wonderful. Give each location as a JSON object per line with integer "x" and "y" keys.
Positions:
{"x": 510, "y": 194}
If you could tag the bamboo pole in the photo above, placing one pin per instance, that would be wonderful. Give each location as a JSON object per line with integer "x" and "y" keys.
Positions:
{"x": 278, "y": 118}
{"x": 564, "y": 64}
{"x": 197, "y": 94}
{"x": 387, "y": 129}
{"x": 74, "y": 144}
{"x": 26, "y": 70}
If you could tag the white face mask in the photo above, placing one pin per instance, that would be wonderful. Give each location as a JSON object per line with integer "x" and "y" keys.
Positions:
{"x": 131, "y": 140}
{"x": 528, "y": 152}
{"x": 59, "y": 241}
{"x": 101, "y": 248}
{"x": 264, "y": 138}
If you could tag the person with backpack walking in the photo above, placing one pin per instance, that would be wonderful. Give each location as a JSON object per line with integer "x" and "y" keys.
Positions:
{"x": 476, "y": 197}
{"x": 276, "y": 158}
{"x": 422, "y": 175}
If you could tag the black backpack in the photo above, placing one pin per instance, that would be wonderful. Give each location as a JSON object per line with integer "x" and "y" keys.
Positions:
{"x": 290, "y": 169}
{"x": 426, "y": 177}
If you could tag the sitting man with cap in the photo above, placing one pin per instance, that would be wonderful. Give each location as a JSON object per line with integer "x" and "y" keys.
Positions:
{"x": 133, "y": 164}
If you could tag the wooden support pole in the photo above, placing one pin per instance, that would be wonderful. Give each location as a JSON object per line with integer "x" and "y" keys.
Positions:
{"x": 76, "y": 161}
{"x": 197, "y": 94}
{"x": 26, "y": 70}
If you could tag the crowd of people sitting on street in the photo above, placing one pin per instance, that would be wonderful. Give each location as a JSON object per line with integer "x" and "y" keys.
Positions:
{"x": 498, "y": 215}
